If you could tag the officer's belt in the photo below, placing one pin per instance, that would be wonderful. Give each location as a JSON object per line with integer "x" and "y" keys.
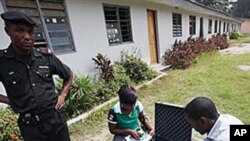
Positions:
{"x": 38, "y": 116}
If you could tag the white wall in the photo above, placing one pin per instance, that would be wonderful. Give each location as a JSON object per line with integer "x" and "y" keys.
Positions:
{"x": 4, "y": 39}
{"x": 89, "y": 31}
{"x": 4, "y": 42}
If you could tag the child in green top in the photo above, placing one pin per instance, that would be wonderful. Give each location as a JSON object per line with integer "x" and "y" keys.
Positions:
{"x": 124, "y": 116}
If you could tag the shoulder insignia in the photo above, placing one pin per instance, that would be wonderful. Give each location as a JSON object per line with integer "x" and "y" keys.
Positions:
{"x": 45, "y": 50}
{"x": 1, "y": 53}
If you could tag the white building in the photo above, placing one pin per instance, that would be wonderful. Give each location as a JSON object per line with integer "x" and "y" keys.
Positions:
{"x": 79, "y": 29}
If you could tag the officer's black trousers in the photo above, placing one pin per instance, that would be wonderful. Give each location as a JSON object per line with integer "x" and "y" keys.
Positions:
{"x": 49, "y": 126}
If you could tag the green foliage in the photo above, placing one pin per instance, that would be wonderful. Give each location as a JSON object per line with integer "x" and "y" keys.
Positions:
{"x": 84, "y": 94}
{"x": 105, "y": 90}
{"x": 120, "y": 74}
{"x": 104, "y": 66}
{"x": 235, "y": 35}
{"x": 211, "y": 76}
{"x": 9, "y": 130}
{"x": 136, "y": 69}
{"x": 80, "y": 98}
{"x": 244, "y": 39}
{"x": 220, "y": 5}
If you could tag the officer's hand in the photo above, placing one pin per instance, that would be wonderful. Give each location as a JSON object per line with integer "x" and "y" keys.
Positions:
{"x": 60, "y": 102}
{"x": 134, "y": 134}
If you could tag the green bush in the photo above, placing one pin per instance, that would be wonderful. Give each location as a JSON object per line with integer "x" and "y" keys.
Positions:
{"x": 120, "y": 74}
{"x": 104, "y": 91}
{"x": 137, "y": 70}
{"x": 80, "y": 98}
{"x": 9, "y": 130}
{"x": 235, "y": 35}
{"x": 84, "y": 93}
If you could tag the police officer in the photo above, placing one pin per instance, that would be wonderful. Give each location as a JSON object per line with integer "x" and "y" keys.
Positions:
{"x": 26, "y": 74}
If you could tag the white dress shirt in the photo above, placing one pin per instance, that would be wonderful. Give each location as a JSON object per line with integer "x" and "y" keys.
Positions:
{"x": 220, "y": 130}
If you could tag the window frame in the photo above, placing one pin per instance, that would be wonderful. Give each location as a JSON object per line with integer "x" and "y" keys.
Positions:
{"x": 228, "y": 27}
{"x": 177, "y": 24}
{"x": 118, "y": 22}
{"x": 210, "y": 26}
{"x": 220, "y": 26}
{"x": 224, "y": 27}
{"x": 192, "y": 25}
{"x": 44, "y": 27}
{"x": 215, "y": 26}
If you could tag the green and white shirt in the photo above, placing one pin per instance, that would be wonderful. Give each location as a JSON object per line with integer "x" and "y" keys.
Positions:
{"x": 124, "y": 121}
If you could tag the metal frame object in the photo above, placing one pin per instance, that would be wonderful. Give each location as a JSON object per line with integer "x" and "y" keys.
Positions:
{"x": 170, "y": 124}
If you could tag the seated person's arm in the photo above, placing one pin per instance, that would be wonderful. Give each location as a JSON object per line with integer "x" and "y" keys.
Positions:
{"x": 113, "y": 128}
{"x": 116, "y": 131}
{"x": 144, "y": 120}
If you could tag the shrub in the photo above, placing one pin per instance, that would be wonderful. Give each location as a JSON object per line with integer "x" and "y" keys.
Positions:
{"x": 84, "y": 94}
{"x": 105, "y": 90}
{"x": 220, "y": 41}
{"x": 235, "y": 35}
{"x": 9, "y": 130}
{"x": 80, "y": 97}
{"x": 183, "y": 54}
{"x": 120, "y": 74}
{"x": 104, "y": 66}
{"x": 136, "y": 69}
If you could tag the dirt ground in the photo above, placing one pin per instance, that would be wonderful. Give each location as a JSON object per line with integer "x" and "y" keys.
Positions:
{"x": 237, "y": 49}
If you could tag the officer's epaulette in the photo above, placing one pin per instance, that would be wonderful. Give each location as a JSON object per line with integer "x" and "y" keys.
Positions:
{"x": 1, "y": 53}
{"x": 45, "y": 50}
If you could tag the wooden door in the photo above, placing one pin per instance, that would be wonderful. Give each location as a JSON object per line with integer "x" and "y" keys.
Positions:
{"x": 152, "y": 37}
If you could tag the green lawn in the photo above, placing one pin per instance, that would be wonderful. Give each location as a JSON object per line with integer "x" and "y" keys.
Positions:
{"x": 214, "y": 75}
{"x": 244, "y": 39}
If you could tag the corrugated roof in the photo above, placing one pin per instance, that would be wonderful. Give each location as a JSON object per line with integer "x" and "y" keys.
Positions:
{"x": 196, "y": 8}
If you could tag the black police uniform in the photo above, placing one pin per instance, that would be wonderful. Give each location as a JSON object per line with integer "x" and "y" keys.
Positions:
{"x": 31, "y": 91}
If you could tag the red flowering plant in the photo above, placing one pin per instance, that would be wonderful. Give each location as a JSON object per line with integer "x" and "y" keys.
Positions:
{"x": 9, "y": 130}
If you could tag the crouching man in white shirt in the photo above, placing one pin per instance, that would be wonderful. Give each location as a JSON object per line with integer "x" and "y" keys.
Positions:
{"x": 202, "y": 114}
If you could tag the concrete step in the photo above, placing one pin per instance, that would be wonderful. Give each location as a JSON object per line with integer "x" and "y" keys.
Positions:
{"x": 160, "y": 67}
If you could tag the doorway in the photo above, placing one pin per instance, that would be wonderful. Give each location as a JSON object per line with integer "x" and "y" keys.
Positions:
{"x": 151, "y": 15}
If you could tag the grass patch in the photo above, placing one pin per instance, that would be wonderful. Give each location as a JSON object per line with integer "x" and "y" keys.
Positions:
{"x": 244, "y": 39}
{"x": 214, "y": 75}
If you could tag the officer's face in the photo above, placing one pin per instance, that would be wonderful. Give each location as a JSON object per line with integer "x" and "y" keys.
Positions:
{"x": 21, "y": 36}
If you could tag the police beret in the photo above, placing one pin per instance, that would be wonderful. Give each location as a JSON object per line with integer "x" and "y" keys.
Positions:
{"x": 18, "y": 17}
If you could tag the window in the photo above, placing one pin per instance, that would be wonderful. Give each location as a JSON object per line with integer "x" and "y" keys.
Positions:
{"x": 53, "y": 27}
{"x": 215, "y": 26}
{"x": 227, "y": 27}
{"x": 210, "y": 26}
{"x": 220, "y": 27}
{"x": 177, "y": 28}
{"x": 224, "y": 27}
{"x": 192, "y": 22}
{"x": 118, "y": 23}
